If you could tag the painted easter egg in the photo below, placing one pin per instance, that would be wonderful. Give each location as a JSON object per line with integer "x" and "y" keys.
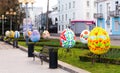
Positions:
{"x": 84, "y": 36}
{"x": 35, "y": 36}
{"x": 27, "y": 34}
{"x": 17, "y": 34}
{"x": 45, "y": 34}
{"x": 7, "y": 33}
{"x": 11, "y": 34}
{"x": 98, "y": 41}
{"x": 67, "y": 38}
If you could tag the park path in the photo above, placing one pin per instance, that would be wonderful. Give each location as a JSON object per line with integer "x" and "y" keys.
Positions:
{"x": 13, "y": 60}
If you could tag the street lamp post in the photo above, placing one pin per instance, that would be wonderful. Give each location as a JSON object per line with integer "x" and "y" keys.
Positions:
{"x": 2, "y": 20}
{"x": 11, "y": 13}
{"x": 26, "y": 2}
{"x": 47, "y": 22}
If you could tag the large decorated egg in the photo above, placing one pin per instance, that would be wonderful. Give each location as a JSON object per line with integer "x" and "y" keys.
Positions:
{"x": 67, "y": 38}
{"x": 7, "y": 33}
{"x": 27, "y": 34}
{"x": 45, "y": 34}
{"x": 17, "y": 34}
{"x": 35, "y": 36}
{"x": 98, "y": 41}
{"x": 84, "y": 36}
{"x": 11, "y": 34}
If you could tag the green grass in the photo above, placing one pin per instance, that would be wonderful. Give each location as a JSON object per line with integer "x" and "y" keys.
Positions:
{"x": 72, "y": 58}
{"x": 22, "y": 43}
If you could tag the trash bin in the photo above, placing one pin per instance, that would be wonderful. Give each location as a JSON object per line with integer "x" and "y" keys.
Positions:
{"x": 15, "y": 43}
{"x": 30, "y": 50}
{"x": 53, "y": 57}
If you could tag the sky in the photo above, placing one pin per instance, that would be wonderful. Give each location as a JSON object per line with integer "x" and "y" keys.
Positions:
{"x": 43, "y": 3}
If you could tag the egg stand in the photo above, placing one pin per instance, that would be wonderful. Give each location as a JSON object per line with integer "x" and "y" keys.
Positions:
{"x": 94, "y": 56}
{"x": 68, "y": 52}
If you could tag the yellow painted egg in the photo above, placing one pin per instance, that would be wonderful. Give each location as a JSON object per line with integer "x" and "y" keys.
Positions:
{"x": 11, "y": 34}
{"x": 98, "y": 41}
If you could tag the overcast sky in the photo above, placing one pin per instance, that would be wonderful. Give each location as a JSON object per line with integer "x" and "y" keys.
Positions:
{"x": 43, "y": 3}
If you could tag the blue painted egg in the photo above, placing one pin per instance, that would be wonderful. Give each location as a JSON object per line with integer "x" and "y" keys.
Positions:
{"x": 35, "y": 36}
{"x": 17, "y": 34}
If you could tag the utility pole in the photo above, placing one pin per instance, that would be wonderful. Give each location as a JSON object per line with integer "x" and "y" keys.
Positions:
{"x": 47, "y": 15}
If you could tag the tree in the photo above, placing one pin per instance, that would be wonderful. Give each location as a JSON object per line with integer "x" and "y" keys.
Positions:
{"x": 5, "y": 5}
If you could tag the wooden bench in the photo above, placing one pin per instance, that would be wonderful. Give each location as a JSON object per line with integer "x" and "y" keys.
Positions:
{"x": 43, "y": 54}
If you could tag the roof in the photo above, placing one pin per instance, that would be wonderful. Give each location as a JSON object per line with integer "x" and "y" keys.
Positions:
{"x": 83, "y": 21}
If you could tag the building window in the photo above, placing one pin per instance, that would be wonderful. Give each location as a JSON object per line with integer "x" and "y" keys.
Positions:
{"x": 66, "y": 6}
{"x": 88, "y": 3}
{"x": 59, "y": 18}
{"x": 62, "y": 17}
{"x": 116, "y": 3}
{"x": 59, "y": 27}
{"x": 69, "y": 21}
{"x": 116, "y": 25}
{"x": 62, "y": 27}
{"x": 59, "y": 6}
{"x": 69, "y": 5}
{"x": 66, "y": 17}
{"x": 73, "y": 15}
{"x": 100, "y": 8}
{"x": 73, "y": 4}
{"x": 59, "y": 9}
{"x": 108, "y": 8}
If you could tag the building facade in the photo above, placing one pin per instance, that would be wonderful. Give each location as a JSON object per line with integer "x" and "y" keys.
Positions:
{"x": 34, "y": 15}
{"x": 74, "y": 10}
{"x": 53, "y": 15}
{"x": 108, "y": 15}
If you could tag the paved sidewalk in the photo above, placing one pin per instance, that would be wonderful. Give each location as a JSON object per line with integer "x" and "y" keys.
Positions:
{"x": 14, "y": 60}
